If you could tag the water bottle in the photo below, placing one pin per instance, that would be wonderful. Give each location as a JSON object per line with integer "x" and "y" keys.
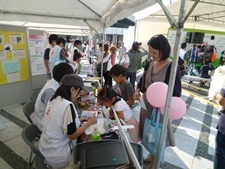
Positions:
{"x": 94, "y": 91}
{"x": 95, "y": 134}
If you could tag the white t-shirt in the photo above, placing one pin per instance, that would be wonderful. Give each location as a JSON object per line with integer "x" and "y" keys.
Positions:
{"x": 72, "y": 52}
{"x": 71, "y": 47}
{"x": 75, "y": 68}
{"x": 100, "y": 56}
{"x": 123, "y": 106}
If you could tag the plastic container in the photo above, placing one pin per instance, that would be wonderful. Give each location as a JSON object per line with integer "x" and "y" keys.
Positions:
{"x": 96, "y": 135}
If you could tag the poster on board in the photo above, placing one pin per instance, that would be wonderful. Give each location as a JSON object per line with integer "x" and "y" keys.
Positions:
{"x": 36, "y": 43}
{"x": 13, "y": 57}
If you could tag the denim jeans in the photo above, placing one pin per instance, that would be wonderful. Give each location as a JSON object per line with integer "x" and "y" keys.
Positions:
{"x": 219, "y": 157}
{"x": 132, "y": 76}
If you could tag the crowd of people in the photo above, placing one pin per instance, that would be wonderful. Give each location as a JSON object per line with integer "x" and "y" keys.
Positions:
{"x": 57, "y": 117}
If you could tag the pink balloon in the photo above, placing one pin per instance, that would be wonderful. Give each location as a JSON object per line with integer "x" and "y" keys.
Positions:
{"x": 177, "y": 110}
{"x": 156, "y": 94}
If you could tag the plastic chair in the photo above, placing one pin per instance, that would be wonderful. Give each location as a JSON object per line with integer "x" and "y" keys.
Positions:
{"x": 31, "y": 133}
{"x": 108, "y": 155}
{"x": 34, "y": 94}
{"x": 79, "y": 148}
{"x": 28, "y": 109}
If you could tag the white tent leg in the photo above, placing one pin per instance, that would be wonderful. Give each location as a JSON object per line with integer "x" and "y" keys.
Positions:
{"x": 103, "y": 42}
{"x": 179, "y": 26}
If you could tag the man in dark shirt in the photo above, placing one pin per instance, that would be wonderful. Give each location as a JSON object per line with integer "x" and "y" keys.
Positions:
{"x": 52, "y": 41}
{"x": 219, "y": 157}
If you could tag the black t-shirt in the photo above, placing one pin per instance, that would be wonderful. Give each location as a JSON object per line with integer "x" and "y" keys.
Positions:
{"x": 205, "y": 69}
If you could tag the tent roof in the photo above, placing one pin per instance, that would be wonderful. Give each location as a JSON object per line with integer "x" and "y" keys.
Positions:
{"x": 206, "y": 10}
{"x": 74, "y": 15}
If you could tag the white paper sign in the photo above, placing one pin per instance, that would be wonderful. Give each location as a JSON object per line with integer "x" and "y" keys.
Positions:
{"x": 2, "y": 55}
{"x": 142, "y": 103}
{"x": 13, "y": 77}
{"x": 18, "y": 53}
{"x": 16, "y": 39}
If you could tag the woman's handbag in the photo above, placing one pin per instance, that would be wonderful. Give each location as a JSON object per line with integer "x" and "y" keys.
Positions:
{"x": 125, "y": 62}
{"x": 151, "y": 134}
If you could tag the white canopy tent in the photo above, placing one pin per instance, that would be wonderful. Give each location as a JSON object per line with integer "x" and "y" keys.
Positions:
{"x": 207, "y": 15}
{"x": 85, "y": 16}
{"x": 75, "y": 16}
{"x": 211, "y": 11}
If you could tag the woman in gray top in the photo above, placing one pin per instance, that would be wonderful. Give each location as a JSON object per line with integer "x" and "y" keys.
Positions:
{"x": 135, "y": 56}
{"x": 158, "y": 71}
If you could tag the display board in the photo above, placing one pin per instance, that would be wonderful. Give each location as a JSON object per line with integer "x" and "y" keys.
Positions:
{"x": 37, "y": 42}
{"x": 13, "y": 57}
{"x": 37, "y": 48}
{"x": 14, "y": 91}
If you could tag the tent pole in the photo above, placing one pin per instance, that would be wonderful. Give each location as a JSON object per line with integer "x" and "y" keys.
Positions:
{"x": 190, "y": 11}
{"x": 103, "y": 42}
{"x": 169, "y": 17}
{"x": 183, "y": 8}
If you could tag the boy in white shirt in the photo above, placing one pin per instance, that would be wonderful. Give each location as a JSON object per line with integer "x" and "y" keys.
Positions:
{"x": 77, "y": 47}
{"x": 77, "y": 59}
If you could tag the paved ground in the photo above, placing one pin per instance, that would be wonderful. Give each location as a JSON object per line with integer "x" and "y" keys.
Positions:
{"x": 194, "y": 135}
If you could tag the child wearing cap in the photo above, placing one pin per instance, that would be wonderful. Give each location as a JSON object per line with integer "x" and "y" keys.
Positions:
{"x": 124, "y": 87}
{"x": 61, "y": 125}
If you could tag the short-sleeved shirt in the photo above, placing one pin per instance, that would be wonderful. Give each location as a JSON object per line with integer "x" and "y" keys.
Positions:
{"x": 221, "y": 122}
{"x": 100, "y": 56}
{"x": 205, "y": 69}
{"x": 123, "y": 106}
{"x": 46, "y": 54}
{"x": 47, "y": 95}
{"x": 75, "y": 68}
{"x": 126, "y": 90}
{"x": 69, "y": 124}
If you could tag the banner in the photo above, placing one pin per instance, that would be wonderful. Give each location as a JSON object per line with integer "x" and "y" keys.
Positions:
{"x": 36, "y": 43}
